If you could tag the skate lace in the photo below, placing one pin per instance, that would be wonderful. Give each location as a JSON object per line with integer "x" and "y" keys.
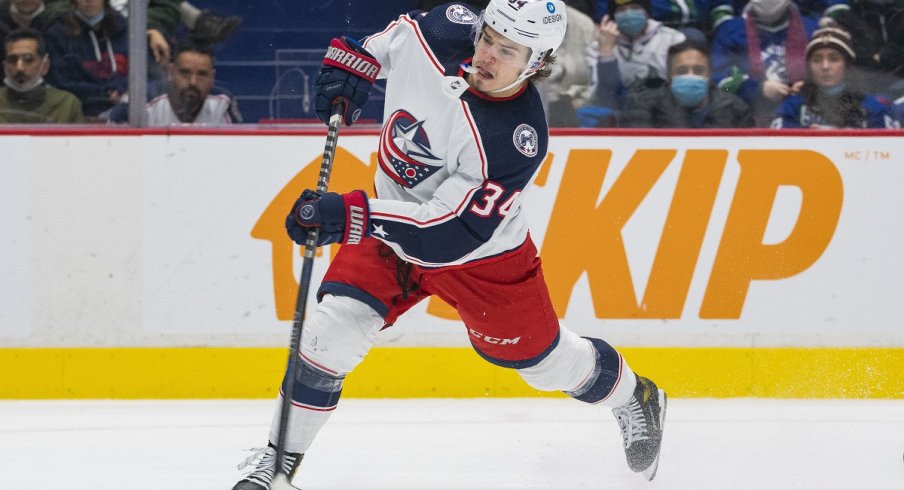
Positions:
{"x": 264, "y": 459}
{"x": 632, "y": 422}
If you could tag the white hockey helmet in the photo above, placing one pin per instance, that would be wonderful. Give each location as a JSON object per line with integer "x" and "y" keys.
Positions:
{"x": 537, "y": 24}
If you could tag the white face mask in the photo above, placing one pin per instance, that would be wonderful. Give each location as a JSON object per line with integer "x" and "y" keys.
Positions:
{"x": 23, "y": 87}
{"x": 769, "y": 11}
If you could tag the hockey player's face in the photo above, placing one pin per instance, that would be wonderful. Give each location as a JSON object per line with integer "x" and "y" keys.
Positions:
{"x": 827, "y": 67}
{"x": 499, "y": 61}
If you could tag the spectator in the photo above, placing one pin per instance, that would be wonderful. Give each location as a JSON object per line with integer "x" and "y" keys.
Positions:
{"x": 826, "y": 100}
{"x": 89, "y": 50}
{"x": 569, "y": 84}
{"x": 27, "y": 13}
{"x": 687, "y": 16}
{"x": 877, "y": 26}
{"x": 632, "y": 49}
{"x": 187, "y": 96}
{"x": 760, "y": 56}
{"x": 26, "y": 98}
{"x": 165, "y": 17}
{"x": 897, "y": 114}
{"x": 825, "y": 10}
{"x": 689, "y": 99}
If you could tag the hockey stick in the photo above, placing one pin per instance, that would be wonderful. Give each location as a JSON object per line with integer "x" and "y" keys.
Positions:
{"x": 281, "y": 479}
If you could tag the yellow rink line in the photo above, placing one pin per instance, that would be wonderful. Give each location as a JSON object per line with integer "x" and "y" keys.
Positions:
{"x": 432, "y": 372}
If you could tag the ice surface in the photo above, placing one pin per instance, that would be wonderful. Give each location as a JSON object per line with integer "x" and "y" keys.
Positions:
{"x": 473, "y": 444}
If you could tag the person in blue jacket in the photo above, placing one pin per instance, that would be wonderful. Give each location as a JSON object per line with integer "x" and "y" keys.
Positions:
{"x": 827, "y": 100}
{"x": 760, "y": 56}
{"x": 89, "y": 49}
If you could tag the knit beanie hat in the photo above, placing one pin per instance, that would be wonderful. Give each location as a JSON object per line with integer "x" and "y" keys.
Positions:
{"x": 832, "y": 37}
{"x": 615, "y": 4}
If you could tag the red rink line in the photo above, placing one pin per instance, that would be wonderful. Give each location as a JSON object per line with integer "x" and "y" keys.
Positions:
{"x": 373, "y": 130}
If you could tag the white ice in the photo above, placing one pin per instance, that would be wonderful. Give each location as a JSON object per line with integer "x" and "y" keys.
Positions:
{"x": 472, "y": 444}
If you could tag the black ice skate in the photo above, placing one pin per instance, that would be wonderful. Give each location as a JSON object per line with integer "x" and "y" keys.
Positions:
{"x": 262, "y": 475}
{"x": 641, "y": 422}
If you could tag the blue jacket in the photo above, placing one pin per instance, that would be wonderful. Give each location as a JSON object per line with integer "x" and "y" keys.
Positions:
{"x": 795, "y": 112}
{"x": 731, "y": 65}
{"x": 90, "y": 64}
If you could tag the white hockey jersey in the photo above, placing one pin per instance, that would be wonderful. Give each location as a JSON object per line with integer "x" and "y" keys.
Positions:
{"x": 453, "y": 162}
{"x": 215, "y": 112}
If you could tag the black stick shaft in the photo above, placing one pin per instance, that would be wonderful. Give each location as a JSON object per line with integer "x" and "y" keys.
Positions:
{"x": 304, "y": 285}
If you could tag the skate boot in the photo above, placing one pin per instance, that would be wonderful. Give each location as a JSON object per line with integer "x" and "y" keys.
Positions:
{"x": 264, "y": 459}
{"x": 641, "y": 422}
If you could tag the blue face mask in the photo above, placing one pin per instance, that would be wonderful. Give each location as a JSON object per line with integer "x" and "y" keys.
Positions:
{"x": 689, "y": 90}
{"x": 92, "y": 21}
{"x": 631, "y": 22}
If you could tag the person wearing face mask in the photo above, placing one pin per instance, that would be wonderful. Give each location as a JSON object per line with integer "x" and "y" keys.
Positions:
{"x": 632, "y": 49}
{"x": 760, "y": 56}
{"x": 89, "y": 49}
{"x": 689, "y": 99}
{"x": 826, "y": 99}
{"x": 687, "y": 16}
{"x": 25, "y": 97}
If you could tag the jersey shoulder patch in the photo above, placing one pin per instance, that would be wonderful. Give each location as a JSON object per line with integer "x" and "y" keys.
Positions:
{"x": 526, "y": 140}
{"x": 460, "y": 14}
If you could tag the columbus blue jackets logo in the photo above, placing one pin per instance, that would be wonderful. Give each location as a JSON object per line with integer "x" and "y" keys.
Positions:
{"x": 460, "y": 15}
{"x": 526, "y": 140}
{"x": 405, "y": 153}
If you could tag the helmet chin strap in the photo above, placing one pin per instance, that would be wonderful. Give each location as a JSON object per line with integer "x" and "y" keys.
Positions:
{"x": 466, "y": 67}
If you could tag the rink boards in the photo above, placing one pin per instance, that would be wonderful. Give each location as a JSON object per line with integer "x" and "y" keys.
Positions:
{"x": 154, "y": 264}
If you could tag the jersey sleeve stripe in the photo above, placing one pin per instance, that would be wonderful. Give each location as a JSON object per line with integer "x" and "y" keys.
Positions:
{"x": 390, "y": 27}
{"x": 477, "y": 140}
{"x": 408, "y": 219}
{"x": 420, "y": 37}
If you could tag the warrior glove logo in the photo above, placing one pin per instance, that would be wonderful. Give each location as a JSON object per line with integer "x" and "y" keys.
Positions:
{"x": 362, "y": 66}
{"x": 356, "y": 224}
{"x": 405, "y": 154}
{"x": 526, "y": 140}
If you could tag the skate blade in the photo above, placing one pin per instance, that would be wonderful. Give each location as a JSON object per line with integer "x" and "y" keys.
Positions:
{"x": 650, "y": 472}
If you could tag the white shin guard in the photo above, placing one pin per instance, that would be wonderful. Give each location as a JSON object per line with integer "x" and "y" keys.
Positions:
{"x": 586, "y": 369}
{"x": 334, "y": 340}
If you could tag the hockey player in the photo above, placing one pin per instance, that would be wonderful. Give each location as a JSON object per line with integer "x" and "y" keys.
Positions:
{"x": 463, "y": 136}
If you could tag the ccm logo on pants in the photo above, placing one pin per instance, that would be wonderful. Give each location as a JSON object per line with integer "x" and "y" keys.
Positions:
{"x": 493, "y": 340}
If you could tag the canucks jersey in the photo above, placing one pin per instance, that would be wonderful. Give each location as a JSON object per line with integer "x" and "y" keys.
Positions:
{"x": 453, "y": 163}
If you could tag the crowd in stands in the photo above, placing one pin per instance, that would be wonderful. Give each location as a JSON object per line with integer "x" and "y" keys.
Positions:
{"x": 624, "y": 63}
{"x": 68, "y": 61}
